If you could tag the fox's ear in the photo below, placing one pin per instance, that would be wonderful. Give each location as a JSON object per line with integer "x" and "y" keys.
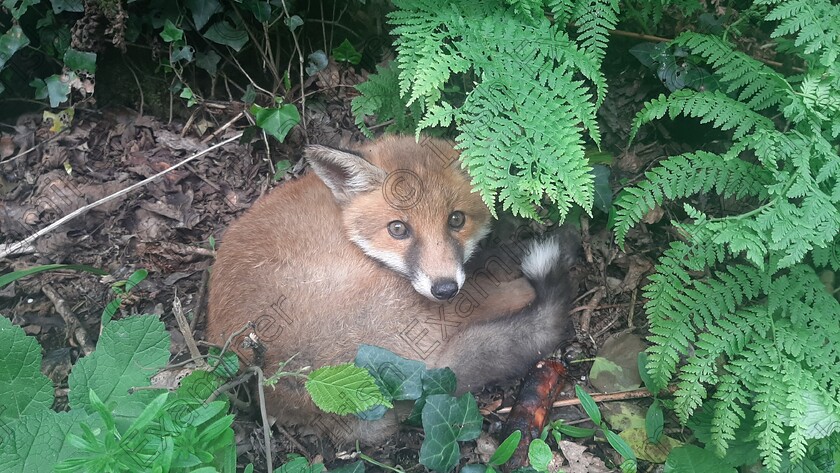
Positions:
{"x": 346, "y": 174}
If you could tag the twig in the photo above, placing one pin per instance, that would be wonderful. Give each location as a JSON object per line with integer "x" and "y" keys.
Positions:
{"x": 73, "y": 323}
{"x": 640, "y": 393}
{"x": 12, "y": 248}
{"x": 302, "y": 92}
{"x": 223, "y": 127}
{"x": 184, "y": 327}
{"x": 587, "y": 312}
{"x": 25, "y": 152}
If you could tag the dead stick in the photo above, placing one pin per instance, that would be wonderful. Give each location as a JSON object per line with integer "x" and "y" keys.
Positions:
{"x": 74, "y": 326}
{"x": 604, "y": 397}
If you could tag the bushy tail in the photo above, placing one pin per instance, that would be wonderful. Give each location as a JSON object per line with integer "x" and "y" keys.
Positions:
{"x": 547, "y": 266}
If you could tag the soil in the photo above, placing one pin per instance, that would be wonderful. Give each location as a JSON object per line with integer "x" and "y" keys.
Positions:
{"x": 170, "y": 227}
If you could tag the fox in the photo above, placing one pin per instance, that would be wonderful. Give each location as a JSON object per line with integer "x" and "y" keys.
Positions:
{"x": 373, "y": 246}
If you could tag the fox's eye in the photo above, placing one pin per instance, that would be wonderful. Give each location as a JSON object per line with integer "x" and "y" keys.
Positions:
{"x": 456, "y": 220}
{"x": 398, "y": 230}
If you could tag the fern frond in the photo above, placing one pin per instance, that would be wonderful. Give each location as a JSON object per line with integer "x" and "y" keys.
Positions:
{"x": 380, "y": 96}
{"x": 816, "y": 24}
{"x": 760, "y": 86}
{"x": 685, "y": 175}
{"x": 594, "y": 19}
{"x": 715, "y": 107}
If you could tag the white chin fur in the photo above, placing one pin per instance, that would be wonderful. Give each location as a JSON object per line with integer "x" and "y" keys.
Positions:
{"x": 541, "y": 257}
{"x": 423, "y": 285}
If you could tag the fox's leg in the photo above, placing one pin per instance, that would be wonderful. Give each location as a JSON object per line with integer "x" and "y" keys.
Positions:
{"x": 505, "y": 347}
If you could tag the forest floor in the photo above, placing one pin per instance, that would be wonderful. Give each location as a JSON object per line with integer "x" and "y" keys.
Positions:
{"x": 169, "y": 227}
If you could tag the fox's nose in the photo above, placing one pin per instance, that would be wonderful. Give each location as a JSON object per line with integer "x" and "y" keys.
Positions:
{"x": 444, "y": 288}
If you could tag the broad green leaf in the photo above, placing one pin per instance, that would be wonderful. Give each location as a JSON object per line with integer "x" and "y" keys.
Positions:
{"x": 18, "y": 7}
{"x": 228, "y": 365}
{"x": 539, "y": 455}
{"x": 171, "y": 32}
{"x": 23, "y": 389}
{"x": 280, "y": 168}
{"x": 136, "y": 278}
{"x": 603, "y": 191}
{"x": 506, "y": 449}
{"x": 202, "y": 10}
{"x": 276, "y": 121}
{"x": 573, "y": 431}
{"x": 128, "y": 353}
{"x": 11, "y": 42}
{"x": 344, "y": 389}
{"x": 80, "y": 60}
{"x": 260, "y": 9}
{"x": 398, "y": 377}
{"x": 58, "y": 90}
{"x": 446, "y": 420}
{"x": 643, "y": 372}
{"x": 293, "y": 23}
{"x": 345, "y": 52}
{"x": 318, "y": 61}
{"x": 298, "y": 464}
{"x": 588, "y": 405}
{"x": 355, "y": 467}
{"x": 619, "y": 444}
{"x": 223, "y": 33}
{"x": 435, "y": 381}
{"x": 208, "y": 61}
{"x": 693, "y": 459}
{"x": 60, "y": 6}
{"x": 179, "y": 53}
{"x": 37, "y": 442}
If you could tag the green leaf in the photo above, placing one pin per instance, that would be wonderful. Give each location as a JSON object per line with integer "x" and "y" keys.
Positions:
{"x": 60, "y": 6}
{"x": 11, "y": 42}
{"x": 693, "y": 459}
{"x": 136, "y": 278}
{"x": 9, "y": 278}
{"x": 446, "y": 420}
{"x": 80, "y": 60}
{"x": 208, "y": 61}
{"x": 620, "y": 445}
{"x": 355, "y": 467}
{"x": 643, "y": 372}
{"x": 344, "y": 389}
{"x": 506, "y": 449}
{"x": 171, "y": 32}
{"x": 223, "y": 33}
{"x": 539, "y": 455}
{"x": 293, "y": 22}
{"x": 276, "y": 121}
{"x": 260, "y": 9}
{"x": 588, "y": 405}
{"x": 18, "y": 7}
{"x": 37, "y": 442}
{"x": 58, "y": 89}
{"x": 179, "y": 53}
{"x": 202, "y": 10}
{"x": 574, "y": 431}
{"x": 128, "y": 353}
{"x": 345, "y": 52}
{"x": 318, "y": 61}
{"x": 603, "y": 192}
{"x": 280, "y": 168}
{"x": 655, "y": 422}
{"x": 23, "y": 389}
{"x": 228, "y": 365}
{"x": 398, "y": 377}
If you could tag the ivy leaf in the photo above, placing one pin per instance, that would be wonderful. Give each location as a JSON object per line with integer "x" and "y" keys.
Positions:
{"x": 58, "y": 89}
{"x": 80, "y": 60}
{"x": 18, "y": 7}
{"x": 23, "y": 389}
{"x": 171, "y": 32}
{"x": 446, "y": 420}
{"x": 345, "y": 52}
{"x": 318, "y": 61}
{"x": 208, "y": 61}
{"x": 11, "y": 42}
{"x": 276, "y": 121}
{"x": 184, "y": 52}
{"x": 435, "y": 381}
{"x": 222, "y": 32}
{"x": 398, "y": 377}
{"x": 293, "y": 23}
{"x": 202, "y": 10}
{"x": 60, "y": 6}
{"x": 344, "y": 389}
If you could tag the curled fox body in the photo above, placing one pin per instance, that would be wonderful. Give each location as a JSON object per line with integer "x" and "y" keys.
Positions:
{"x": 372, "y": 248}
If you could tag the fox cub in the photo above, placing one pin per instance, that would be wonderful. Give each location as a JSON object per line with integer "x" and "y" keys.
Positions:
{"x": 372, "y": 248}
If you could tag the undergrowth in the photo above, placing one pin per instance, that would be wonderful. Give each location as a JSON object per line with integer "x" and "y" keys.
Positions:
{"x": 746, "y": 291}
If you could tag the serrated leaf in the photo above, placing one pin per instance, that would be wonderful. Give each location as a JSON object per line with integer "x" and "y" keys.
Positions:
{"x": 276, "y": 121}
{"x": 37, "y": 442}
{"x": 446, "y": 420}
{"x": 23, "y": 389}
{"x": 228, "y": 366}
{"x": 344, "y": 389}
{"x": 127, "y": 354}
